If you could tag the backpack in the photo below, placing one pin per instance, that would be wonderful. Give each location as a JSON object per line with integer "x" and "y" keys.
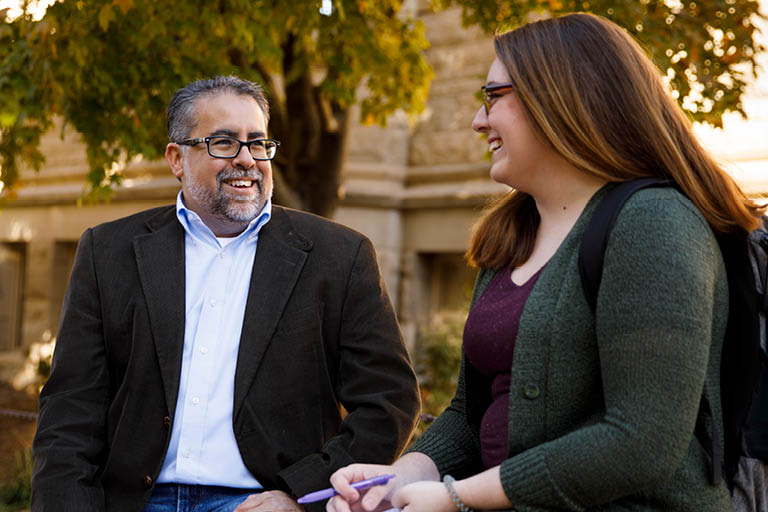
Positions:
{"x": 744, "y": 363}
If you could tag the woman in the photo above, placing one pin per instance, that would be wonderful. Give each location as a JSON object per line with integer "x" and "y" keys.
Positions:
{"x": 557, "y": 408}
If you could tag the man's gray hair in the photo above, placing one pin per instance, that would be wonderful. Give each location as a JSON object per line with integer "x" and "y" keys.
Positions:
{"x": 182, "y": 115}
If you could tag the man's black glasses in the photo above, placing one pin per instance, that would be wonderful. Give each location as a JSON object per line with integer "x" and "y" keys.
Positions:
{"x": 223, "y": 146}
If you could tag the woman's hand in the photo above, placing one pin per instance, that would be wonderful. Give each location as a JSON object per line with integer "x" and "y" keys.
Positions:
{"x": 423, "y": 497}
{"x": 412, "y": 467}
{"x": 350, "y": 499}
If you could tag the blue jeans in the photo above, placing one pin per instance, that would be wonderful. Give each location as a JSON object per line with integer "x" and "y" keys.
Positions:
{"x": 195, "y": 498}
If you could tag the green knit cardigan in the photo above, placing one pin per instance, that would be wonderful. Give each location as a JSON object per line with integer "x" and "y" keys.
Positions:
{"x": 602, "y": 407}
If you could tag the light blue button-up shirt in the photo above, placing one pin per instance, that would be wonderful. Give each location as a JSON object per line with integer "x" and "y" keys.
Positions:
{"x": 203, "y": 449}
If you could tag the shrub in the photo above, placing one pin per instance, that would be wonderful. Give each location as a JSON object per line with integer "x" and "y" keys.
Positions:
{"x": 437, "y": 364}
{"x": 15, "y": 493}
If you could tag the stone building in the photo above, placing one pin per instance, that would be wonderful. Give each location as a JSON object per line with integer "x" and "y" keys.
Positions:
{"x": 414, "y": 190}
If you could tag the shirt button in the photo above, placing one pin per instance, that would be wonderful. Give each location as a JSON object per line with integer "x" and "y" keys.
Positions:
{"x": 195, "y": 400}
{"x": 186, "y": 454}
{"x": 213, "y": 303}
{"x": 531, "y": 391}
{"x": 221, "y": 255}
{"x": 204, "y": 350}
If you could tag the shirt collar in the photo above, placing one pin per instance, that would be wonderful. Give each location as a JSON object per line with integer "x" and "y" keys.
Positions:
{"x": 195, "y": 227}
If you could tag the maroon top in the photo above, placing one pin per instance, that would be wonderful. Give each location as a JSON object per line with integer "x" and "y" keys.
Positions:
{"x": 489, "y": 344}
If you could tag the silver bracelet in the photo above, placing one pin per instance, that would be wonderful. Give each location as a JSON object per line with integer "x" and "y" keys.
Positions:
{"x": 448, "y": 481}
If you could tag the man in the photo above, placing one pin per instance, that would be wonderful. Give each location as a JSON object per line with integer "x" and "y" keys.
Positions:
{"x": 205, "y": 349}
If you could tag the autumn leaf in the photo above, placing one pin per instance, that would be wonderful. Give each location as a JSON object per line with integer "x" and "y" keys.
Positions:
{"x": 106, "y": 15}
{"x": 124, "y": 5}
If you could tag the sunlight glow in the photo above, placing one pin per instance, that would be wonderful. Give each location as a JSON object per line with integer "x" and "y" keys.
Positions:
{"x": 740, "y": 144}
{"x": 326, "y": 8}
{"x": 36, "y": 8}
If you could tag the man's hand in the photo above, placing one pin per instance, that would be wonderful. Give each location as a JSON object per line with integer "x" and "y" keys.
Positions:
{"x": 269, "y": 501}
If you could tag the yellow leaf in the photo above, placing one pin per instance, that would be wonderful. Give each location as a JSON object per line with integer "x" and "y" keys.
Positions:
{"x": 7, "y": 119}
{"x": 106, "y": 14}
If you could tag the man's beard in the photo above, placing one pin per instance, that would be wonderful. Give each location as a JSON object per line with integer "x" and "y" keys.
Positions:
{"x": 231, "y": 207}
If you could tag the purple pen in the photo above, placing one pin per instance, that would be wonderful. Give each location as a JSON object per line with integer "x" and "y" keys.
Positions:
{"x": 331, "y": 492}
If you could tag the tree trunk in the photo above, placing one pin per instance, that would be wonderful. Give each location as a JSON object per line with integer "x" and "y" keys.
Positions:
{"x": 312, "y": 133}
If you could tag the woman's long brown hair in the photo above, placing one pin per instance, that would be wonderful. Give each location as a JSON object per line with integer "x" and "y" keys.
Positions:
{"x": 592, "y": 93}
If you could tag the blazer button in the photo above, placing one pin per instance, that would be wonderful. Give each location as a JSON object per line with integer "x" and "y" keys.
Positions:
{"x": 148, "y": 480}
{"x": 167, "y": 421}
{"x": 531, "y": 391}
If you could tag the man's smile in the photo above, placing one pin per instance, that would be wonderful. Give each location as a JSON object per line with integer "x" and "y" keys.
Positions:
{"x": 241, "y": 184}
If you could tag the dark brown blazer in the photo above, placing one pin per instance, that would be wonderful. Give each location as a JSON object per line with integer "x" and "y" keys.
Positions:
{"x": 319, "y": 331}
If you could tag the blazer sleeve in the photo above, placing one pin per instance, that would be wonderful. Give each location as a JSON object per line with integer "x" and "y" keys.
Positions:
{"x": 375, "y": 382}
{"x": 68, "y": 448}
{"x": 660, "y": 310}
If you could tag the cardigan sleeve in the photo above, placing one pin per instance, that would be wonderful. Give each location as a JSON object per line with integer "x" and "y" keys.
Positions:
{"x": 659, "y": 311}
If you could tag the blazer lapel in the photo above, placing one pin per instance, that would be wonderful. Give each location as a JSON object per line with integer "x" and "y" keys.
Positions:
{"x": 280, "y": 256}
{"x": 160, "y": 262}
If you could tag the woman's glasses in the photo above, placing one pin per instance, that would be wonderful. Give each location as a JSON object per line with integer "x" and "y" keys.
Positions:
{"x": 493, "y": 92}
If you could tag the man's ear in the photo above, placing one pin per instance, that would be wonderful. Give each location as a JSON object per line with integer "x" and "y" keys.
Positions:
{"x": 175, "y": 158}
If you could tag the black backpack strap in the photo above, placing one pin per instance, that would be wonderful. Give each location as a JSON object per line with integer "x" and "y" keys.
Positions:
{"x": 763, "y": 243}
{"x": 591, "y": 257}
{"x": 595, "y": 239}
{"x": 710, "y": 441}
{"x": 743, "y": 367}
